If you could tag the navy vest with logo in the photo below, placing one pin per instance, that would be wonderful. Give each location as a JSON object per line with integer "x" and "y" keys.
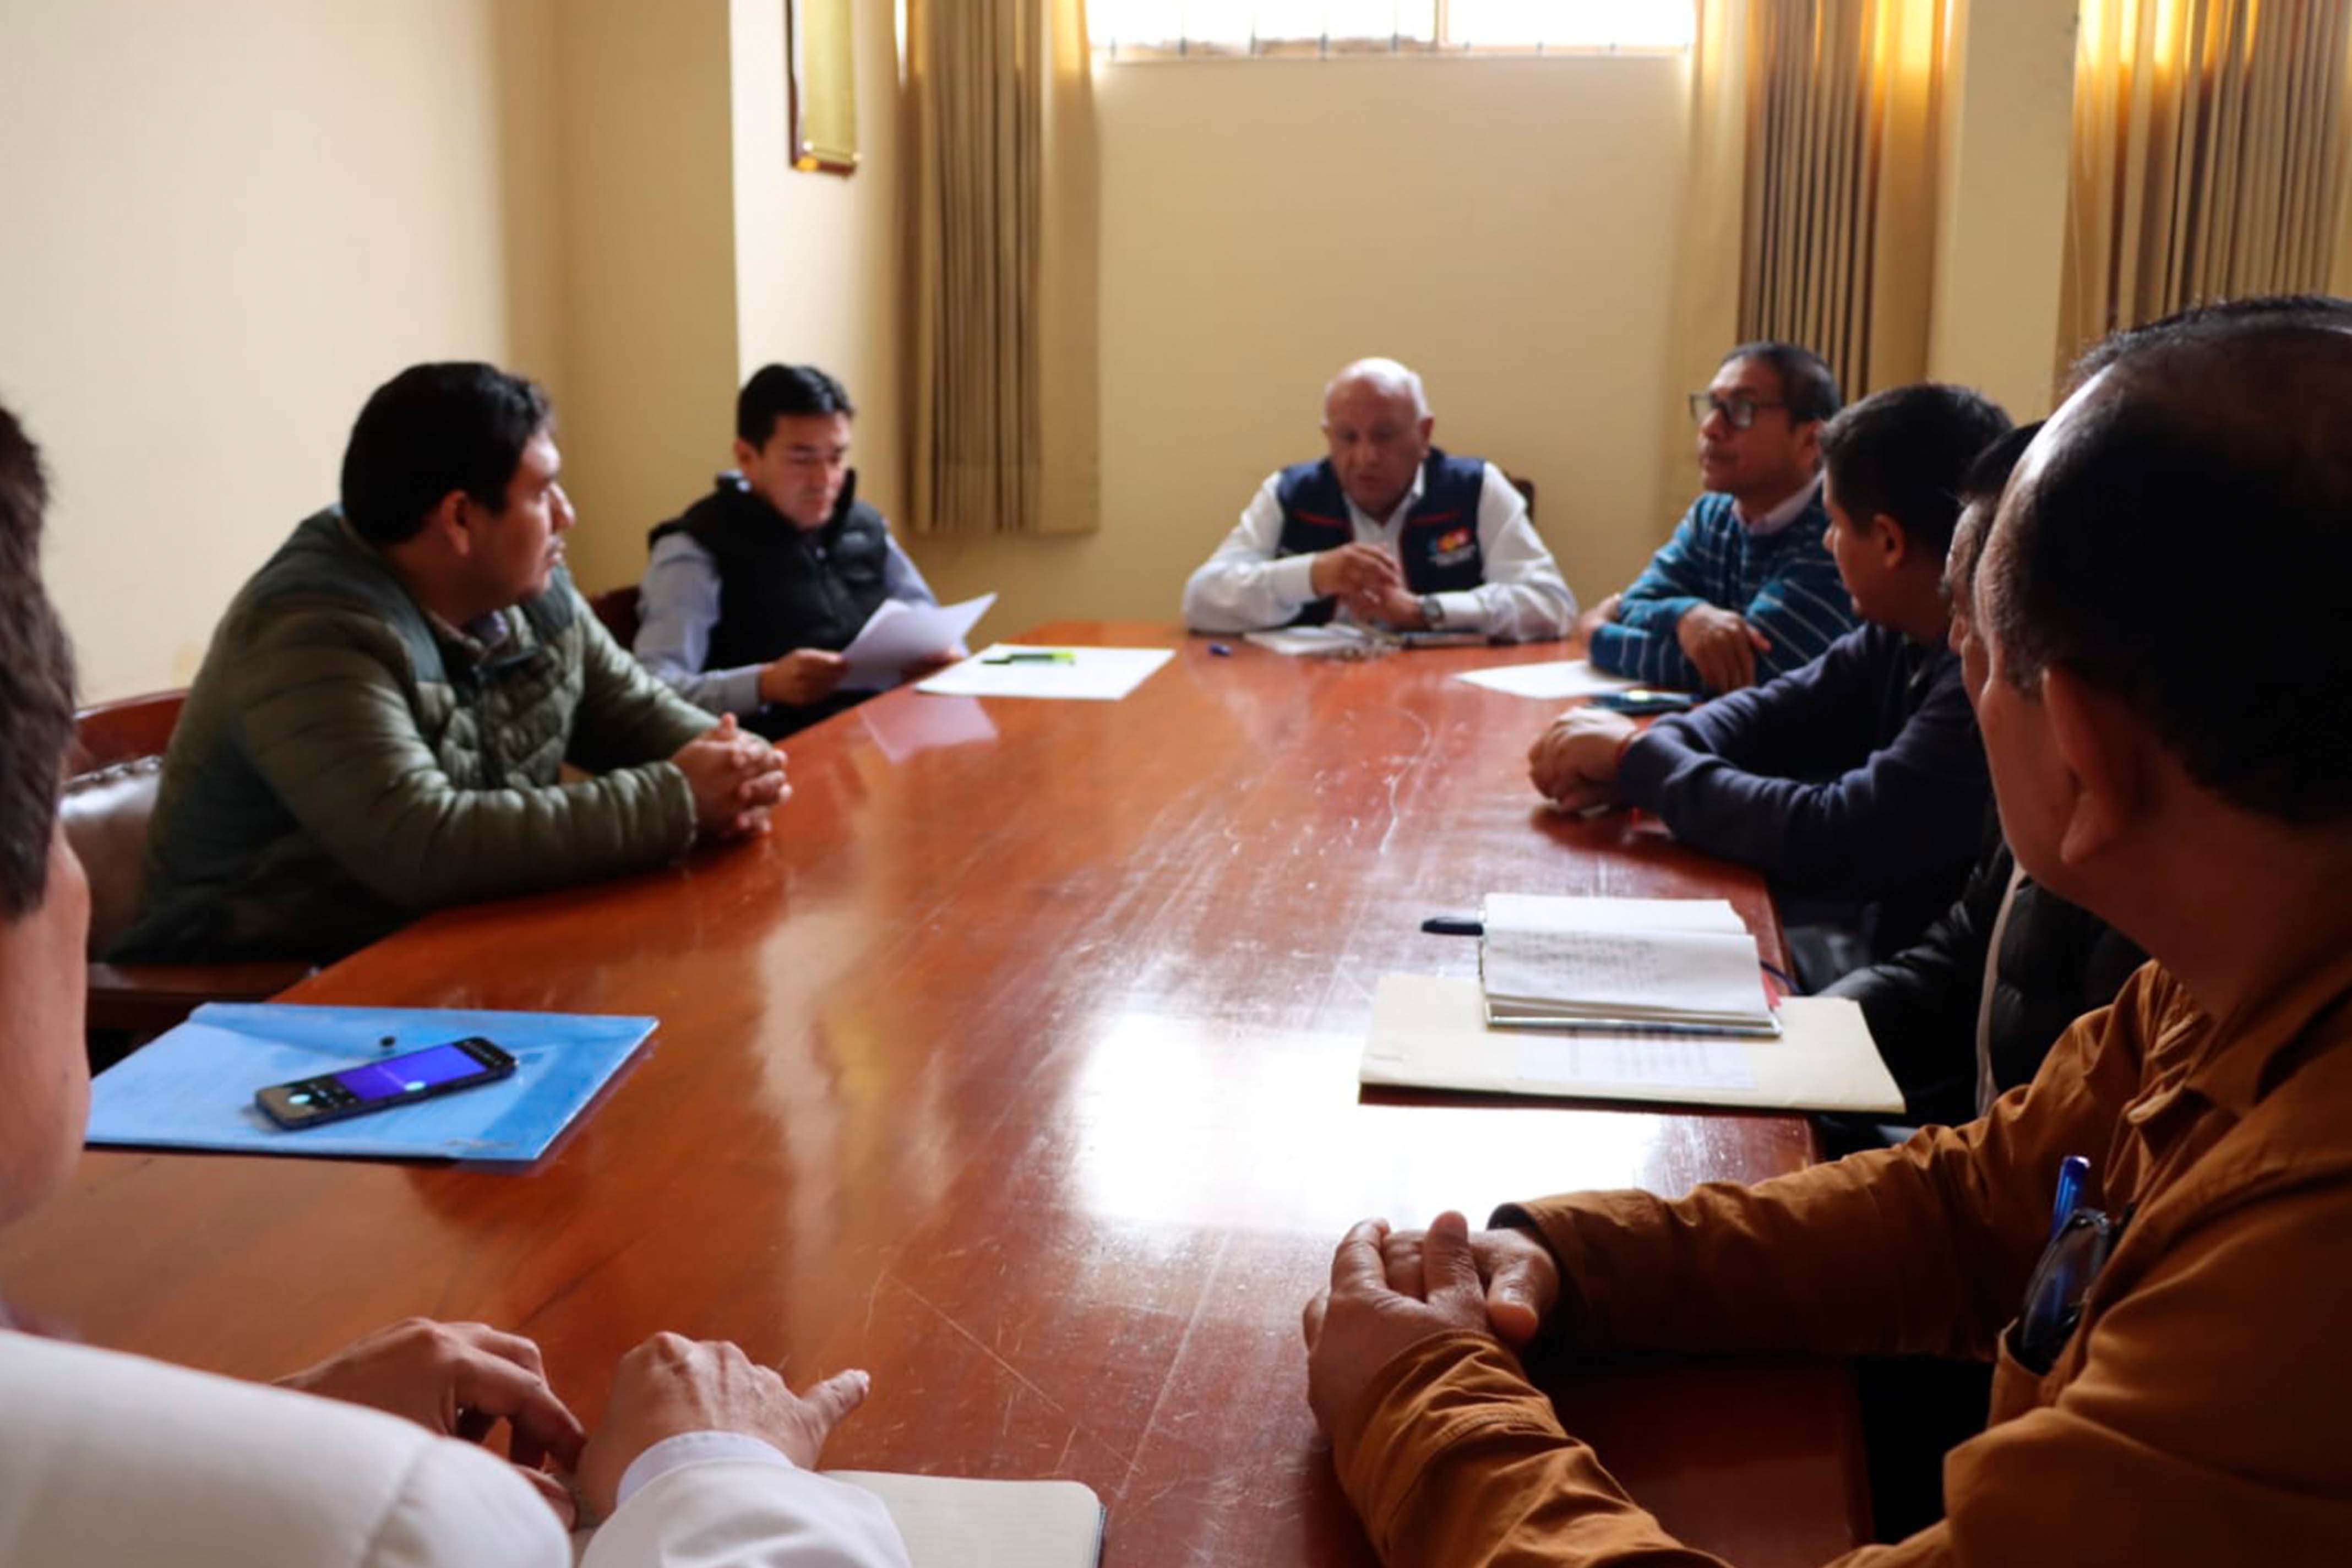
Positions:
{"x": 1439, "y": 541}
{"x": 780, "y": 587}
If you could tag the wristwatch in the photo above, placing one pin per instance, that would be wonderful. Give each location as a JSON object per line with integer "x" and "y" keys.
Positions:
{"x": 1433, "y": 614}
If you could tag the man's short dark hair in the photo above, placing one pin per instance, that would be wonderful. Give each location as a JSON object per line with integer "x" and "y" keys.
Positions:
{"x": 785, "y": 392}
{"x": 2317, "y": 309}
{"x": 1906, "y": 452}
{"x": 2204, "y": 483}
{"x": 1807, "y": 385}
{"x": 1981, "y": 488}
{"x": 431, "y": 430}
{"x": 37, "y": 715}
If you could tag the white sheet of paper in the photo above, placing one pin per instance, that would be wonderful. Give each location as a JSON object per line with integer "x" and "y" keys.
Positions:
{"x": 1430, "y": 1032}
{"x": 1554, "y": 679}
{"x": 899, "y": 634}
{"x": 1296, "y": 641}
{"x": 1090, "y": 674}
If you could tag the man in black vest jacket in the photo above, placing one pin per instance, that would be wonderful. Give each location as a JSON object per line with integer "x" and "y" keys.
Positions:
{"x": 753, "y": 591}
{"x": 1387, "y": 529}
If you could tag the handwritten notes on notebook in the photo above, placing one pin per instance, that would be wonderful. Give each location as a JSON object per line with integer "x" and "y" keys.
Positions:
{"x": 1682, "y": 963}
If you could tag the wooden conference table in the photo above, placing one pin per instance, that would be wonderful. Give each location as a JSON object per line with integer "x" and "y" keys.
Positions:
{"x": 1017, "y": 1067}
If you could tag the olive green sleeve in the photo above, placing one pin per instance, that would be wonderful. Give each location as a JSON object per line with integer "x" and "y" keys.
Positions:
{"x": 627, "y": 716}
{"x": 325, "y": 713}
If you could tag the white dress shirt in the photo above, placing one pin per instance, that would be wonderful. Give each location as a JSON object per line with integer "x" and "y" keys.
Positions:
{"x": 1245, "y": 586}
{"x": 1781, "y": 516}
{"x": 112, "y": 1460}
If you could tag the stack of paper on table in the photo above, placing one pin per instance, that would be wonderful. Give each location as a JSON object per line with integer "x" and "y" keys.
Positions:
{"x": 947, "y": 1522}
{"x": 1431, "y": 1032}
{"x": 1674, "y": 963}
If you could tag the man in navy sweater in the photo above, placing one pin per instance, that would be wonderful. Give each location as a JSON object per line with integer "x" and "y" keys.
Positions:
{"x": 1857, "y": 783}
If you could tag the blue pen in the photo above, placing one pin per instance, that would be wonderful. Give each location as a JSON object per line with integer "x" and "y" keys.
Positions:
{"x": 2074, "y": 1171}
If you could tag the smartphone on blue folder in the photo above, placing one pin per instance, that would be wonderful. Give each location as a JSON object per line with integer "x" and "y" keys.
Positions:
{"x": 380, "y": 1085}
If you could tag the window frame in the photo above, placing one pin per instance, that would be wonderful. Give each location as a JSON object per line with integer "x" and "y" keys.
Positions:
{"x": 1395, "y": 47}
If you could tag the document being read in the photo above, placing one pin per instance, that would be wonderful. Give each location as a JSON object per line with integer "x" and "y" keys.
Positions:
{"x": 900, "y": 634}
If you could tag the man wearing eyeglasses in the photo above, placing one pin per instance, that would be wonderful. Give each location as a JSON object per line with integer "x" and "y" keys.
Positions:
{"x": 1745, "y": 590}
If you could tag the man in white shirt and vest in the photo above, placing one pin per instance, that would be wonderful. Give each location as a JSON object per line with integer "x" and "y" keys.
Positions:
{"x": 1388, "y": 530}
{"x": 704, "y": 1460}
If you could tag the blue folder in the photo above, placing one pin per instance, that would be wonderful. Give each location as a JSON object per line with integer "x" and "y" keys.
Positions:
{"x": 192, "y": 1088}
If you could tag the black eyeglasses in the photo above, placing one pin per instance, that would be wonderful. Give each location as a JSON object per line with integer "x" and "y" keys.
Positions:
{"x": 2069, "y": 1267}
{"x": 1739, "y": 413}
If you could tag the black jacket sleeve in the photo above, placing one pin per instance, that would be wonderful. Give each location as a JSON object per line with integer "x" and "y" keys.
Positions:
{"x": 1921, "y": 1005}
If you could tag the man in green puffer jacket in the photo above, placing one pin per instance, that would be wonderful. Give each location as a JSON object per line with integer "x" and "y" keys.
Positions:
{"x": 380, "y": 723}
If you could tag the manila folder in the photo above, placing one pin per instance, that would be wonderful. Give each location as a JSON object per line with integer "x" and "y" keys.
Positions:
{"x": 949, "y": 1522}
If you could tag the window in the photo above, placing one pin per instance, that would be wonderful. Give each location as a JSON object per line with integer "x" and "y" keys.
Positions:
{"x": 1156, "y": 29}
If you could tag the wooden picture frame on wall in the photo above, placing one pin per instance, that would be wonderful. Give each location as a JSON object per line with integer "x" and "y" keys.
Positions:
{"x": 821, "y": 66}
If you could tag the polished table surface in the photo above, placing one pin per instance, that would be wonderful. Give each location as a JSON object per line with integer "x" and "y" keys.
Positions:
{"x": 1017, "y": 1067}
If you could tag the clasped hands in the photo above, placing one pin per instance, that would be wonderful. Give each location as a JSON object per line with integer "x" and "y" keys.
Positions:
{"x": 1369, "y": 582}
{"x": 1574, "y": 763}
{"x": 1391, "y": 1290}
{"x": 461, "y": 1380}
{"x": 1721, "y": 644}
{"x": 737, "y": 779}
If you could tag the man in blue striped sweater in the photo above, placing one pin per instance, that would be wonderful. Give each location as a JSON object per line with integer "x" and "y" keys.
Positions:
{"x": 1744, "y": 591}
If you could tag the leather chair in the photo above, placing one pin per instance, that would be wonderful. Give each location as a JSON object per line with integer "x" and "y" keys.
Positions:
{"x": 1526, "y": 489}
{"x": 617, "y": 608}
{"x": 116, "y": 764}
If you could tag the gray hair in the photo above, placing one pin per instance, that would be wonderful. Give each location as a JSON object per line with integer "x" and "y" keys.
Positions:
{"x": 1388, "y": 376}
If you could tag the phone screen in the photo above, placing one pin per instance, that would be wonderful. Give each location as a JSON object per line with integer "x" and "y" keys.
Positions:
{"x": 387, "y": 1081}
{"x": 411, "y": 1074}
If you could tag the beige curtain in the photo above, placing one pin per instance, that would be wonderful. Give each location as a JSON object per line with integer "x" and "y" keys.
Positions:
{"x": 1843, "y": 100}
{"x": 2209, "y": 156}
{"x": 1003, "y": 381}
{"x": 1706, "y": 318}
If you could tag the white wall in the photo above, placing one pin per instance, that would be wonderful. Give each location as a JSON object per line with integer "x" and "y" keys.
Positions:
{"x": 817, "y": 256}
{"x": 2007, "y": 131}
{"x": 226, "y": 224}
{"x": 1507, "y": 227}
{"x": 647, "y": 271}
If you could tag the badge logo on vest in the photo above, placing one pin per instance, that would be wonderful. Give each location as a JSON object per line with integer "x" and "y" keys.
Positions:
{"x": 1454, "y": 546}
